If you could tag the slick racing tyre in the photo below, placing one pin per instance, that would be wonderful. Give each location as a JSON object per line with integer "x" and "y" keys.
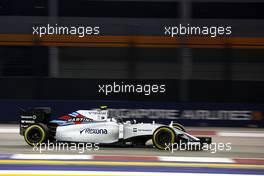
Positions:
{"x": 36, "y": 134}
{"x": 163, "y": 137}
{"x": 178, "y": 126}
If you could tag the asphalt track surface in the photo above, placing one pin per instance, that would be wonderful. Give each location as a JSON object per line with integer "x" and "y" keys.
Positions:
{"x": 241, "y": 146}
{"x": 246, "y": 157}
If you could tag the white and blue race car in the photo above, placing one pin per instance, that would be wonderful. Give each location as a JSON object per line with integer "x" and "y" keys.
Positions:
{"x": 95, "y": 126}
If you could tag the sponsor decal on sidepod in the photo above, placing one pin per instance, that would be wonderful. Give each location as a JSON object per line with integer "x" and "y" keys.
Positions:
{"x": 93, "y": 131}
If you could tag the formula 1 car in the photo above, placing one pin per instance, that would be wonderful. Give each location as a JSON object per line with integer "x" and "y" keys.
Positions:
{"x": 95, "y": 126}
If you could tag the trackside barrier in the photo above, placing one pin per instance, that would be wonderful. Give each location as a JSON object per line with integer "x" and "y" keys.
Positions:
{"x": 189, "y": 114}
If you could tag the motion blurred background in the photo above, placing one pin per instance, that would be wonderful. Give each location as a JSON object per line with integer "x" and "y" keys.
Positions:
{"x": 214, "y": 86}
{"x": 132, "y": 48}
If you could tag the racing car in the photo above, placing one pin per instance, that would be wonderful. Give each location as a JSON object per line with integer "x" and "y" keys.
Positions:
{"x": 96, "y": 126}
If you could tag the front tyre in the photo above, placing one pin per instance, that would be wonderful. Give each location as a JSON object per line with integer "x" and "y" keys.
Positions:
{"x": 36, "y": 134}
{"x": 163, "y": 137}
{"x": 179, "y": 127}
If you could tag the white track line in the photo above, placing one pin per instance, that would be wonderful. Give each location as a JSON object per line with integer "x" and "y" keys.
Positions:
{"x": 9, "y": 130}
{"x": 91, "y": 157}
{"x": 111, "y": 173}
{"x": 239, "y": 134}
{"x": 197, "y": 159}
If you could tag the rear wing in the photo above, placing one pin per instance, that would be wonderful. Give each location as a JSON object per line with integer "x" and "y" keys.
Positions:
{"x": 33, "y": 116}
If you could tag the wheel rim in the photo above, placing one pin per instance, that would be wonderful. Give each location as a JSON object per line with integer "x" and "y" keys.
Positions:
{"x": 163, "y": 138}
{"x": 34, "y": 135}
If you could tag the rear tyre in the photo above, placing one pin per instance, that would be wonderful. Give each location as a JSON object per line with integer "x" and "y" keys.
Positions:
{"x": 163, "y": 137}
{"x": 36, "y": 134}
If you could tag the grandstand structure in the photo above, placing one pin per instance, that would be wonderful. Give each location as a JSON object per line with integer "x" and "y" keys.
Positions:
{"x": 132, "y": 45}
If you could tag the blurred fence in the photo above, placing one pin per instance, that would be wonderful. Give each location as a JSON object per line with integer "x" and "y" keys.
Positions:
{"x": 132, "y": 45}
{"x": 189, "y": 114}
{"x": 88, "y": 89}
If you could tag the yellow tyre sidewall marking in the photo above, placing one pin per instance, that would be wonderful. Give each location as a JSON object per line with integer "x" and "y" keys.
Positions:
{"x": 41, "y": 130}
{"x": 164, "y": 129}
{"x": 178, "y": 126}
